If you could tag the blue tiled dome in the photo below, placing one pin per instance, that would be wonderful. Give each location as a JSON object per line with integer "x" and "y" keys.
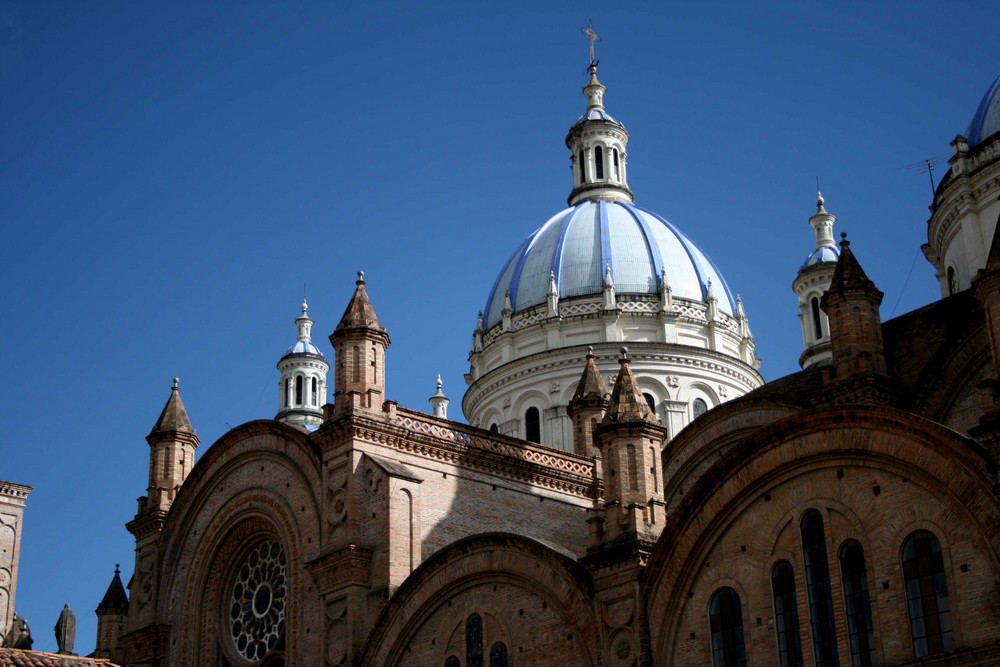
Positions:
{"x": 303, "y": 347}
{"x": 578, "y": 243}
{"x": 821, "y": 254}
{"x": 986, "y": 122}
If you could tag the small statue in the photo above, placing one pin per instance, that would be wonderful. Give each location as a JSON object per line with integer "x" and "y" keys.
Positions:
{"x": 19, "y": 636}
{"x": 66, "y": 631}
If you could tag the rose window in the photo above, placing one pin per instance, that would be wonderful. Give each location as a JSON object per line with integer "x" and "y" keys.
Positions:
{"x": 257, "y": 605}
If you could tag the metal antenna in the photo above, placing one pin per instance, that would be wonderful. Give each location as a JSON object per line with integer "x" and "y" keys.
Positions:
{"x": 930, "y": 175}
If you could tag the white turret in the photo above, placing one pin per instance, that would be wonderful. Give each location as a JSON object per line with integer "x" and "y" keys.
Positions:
{"x": 302, "y": 388}
{"x": 812, "y": 280}
{"x": 597, "y": 150}
{"x": 439, "y": 402}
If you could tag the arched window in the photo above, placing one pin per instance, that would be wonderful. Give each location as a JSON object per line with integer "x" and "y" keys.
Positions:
{"x": 452, "y": 661}
{"x": 583, "y": 168}
{"x": 817, "y": 323}
{"x": 618, "y": 176}
{"x": 786, "y": 615}
{"x": 857, "y": 606}
{"x": 532, "y": 425}
{"x": 313, "y": 394}
{"x": 287, "y": 396}
{"x": 599, "y": 163}
{"x": 474, "y": 641}
{"x": 498, "y": 655}
{"x": 725, "y": 619}
{"x": 357, "y": 364}
{"x": 927, "y": 595}
{"x": 494, "y": 428}
{"x": 699, "y": 407}
{"x": 651, "y": 402}
{"x": 298, "y": 390}
{"x": 824, "y": 632}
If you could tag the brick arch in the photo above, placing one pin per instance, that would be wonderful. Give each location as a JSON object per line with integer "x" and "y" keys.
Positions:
{"x": 522, "y": 581}
{"x": 259, "y": 481}
{"x": 938, "y": 476}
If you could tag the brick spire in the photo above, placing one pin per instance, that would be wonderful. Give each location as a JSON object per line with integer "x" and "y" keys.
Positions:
{"x": 174, "y": 418}
{"x": 360, "y": 315}
{"x": 171, "y": 452}
{"x": 111, "y": 617}
{"x": 627, "y": 402}
{"x": 359, "y": 343}
{"x": 852, "y": 306}
{"x": 588, "y": 406}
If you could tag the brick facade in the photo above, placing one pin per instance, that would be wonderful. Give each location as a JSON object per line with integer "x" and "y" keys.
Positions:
{"x": 407, "y": 539}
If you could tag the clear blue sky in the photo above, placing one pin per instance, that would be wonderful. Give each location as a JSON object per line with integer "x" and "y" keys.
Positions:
{"x": 173, "y": 173}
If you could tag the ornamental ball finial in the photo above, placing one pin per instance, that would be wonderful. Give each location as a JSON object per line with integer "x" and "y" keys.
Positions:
{"x": 624, "y": 351}
{"x": 177, "y": 383}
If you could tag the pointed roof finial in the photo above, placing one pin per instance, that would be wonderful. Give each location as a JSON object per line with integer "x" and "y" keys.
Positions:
{"x": 361, "y": 278}
{"x": 177, "y": 384}
{"x": 819, "y": 202}
{"x": 592, "y": 37}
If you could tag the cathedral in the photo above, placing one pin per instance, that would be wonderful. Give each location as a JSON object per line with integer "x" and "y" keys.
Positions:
{"x": 625, "y": 488}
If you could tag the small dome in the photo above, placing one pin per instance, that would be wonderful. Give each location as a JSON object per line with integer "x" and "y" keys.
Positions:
{"x": 596, "y": 114}
{"x": 986, "y": 122}
{"x": 303, "y": 347}
{"x": 820, "y": 255}
{"x": 578, "y": 244}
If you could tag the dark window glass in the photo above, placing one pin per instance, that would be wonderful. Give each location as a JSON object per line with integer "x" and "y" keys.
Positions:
{"x": 532, "y": 425}
{"x": 651, "y": 402}
{"x": 617, "y": 171}
{"x": 599, "y": 163}
{"x": 927, "y": 595}
{"x": 494, "y": 428}
{"x": 857, "y": 606}
{"x": 313, "y": 398}
{"x": 824, "y": 632}
{"x": 474, "y": 641}
{"x": 817, "y": 323}
{"x": 452, "y": 661}
{"x": 725, "y": 618}
{"x": 583, "y": 168}
{"x": 498, "y": 655}
{"x": 786, "y": 615}
{"x": 288, "y": 386}
{"x": 298, "y": 390}
{"x": 699, "y": 407}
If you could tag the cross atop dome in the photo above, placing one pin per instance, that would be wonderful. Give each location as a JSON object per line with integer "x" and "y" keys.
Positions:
{"x": 592, "y": 37}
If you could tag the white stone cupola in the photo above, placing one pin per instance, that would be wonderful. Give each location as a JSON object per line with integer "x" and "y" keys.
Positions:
{"x": 302, "y": 388}
{"x": 812, "y": 281}
{"x": 596, "y": 145}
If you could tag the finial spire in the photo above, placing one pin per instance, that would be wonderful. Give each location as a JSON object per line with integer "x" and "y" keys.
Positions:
{"x": 592, "y": 37}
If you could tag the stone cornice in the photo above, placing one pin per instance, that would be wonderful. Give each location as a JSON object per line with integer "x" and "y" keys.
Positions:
{"x": 494, "y": 454}
{"x": 349, "y": 565}
{"x": 147, "y": 523}
{"x": 680, "y": 356}
{"x": 14, "y": 491}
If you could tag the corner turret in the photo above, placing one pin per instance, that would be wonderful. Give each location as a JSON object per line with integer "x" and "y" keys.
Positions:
{"x": 112, "y": 613}
{"x": 852, "y": 304}
{"x": 588, "y": 407}
{"x": 630, "y": 438}
{"x": 359, "y": 343}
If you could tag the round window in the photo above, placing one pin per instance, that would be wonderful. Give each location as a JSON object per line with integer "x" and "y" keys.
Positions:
{"x": 257, "y": 603}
